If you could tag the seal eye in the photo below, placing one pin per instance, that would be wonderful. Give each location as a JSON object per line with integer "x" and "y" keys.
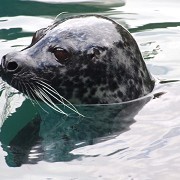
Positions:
{"x": 61, "y": 54}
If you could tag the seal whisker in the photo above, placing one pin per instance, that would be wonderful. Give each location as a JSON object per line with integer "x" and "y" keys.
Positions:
{"x": 16, "y": 83}
{"x": 50, "y": 88}
{"x": 28, "y": 92}
{"x": 51, "y": 102}
{"x": 35, "y": 99}
{"x": 62, "y": 102}
{"x": 62, "y": 98}
{"x": 25, "y": 90}
{"x": 60, "y": 15}
{"x": 12, "y": 80}
{"x": 45, "y": 98}
{"x": 19, "y": 86}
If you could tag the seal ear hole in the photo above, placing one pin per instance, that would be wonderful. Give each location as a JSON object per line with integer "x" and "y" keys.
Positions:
{"x": 94, "y": 53}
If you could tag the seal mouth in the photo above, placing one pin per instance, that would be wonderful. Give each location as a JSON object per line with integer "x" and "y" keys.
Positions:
{"x": 37, "y": 89}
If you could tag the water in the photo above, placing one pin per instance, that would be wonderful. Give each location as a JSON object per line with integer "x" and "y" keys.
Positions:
{"x": 136, "y": 140}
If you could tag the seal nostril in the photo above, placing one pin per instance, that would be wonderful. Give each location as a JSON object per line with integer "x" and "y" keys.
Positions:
{"x": 12, "y": 66}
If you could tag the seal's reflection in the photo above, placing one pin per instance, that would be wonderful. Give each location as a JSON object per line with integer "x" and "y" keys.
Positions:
{"x": 51, "y": 137}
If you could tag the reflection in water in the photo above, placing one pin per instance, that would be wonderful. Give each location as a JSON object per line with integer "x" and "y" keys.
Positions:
{"x": 150, "y": 54}
{"x": 154, "y": 26}
{"x": 51, "y": 137}
{"x": 12, "y": 33}
{"x": 52, "y": 9}
{"x": 100, "y": 2}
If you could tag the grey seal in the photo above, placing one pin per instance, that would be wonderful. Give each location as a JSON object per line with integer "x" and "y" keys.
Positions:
{"x": 86, "y": 59}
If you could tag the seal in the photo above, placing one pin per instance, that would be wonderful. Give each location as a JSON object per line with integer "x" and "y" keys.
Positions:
{"x": 86, "y": 59}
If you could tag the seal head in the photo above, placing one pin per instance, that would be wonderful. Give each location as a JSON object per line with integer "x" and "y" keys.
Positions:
{"x": 85, "y": 59}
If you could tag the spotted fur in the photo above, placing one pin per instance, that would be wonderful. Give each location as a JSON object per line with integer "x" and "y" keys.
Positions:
{"x": 105, "y": 63}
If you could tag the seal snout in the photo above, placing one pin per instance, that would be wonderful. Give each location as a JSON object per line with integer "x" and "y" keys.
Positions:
{"x": 9, "y": 64}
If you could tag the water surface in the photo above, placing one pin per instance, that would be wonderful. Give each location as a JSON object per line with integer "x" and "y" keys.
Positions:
{"x": 135, "y": 140}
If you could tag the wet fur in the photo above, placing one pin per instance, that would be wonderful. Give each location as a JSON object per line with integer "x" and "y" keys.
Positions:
{"x": 105, "y": 66}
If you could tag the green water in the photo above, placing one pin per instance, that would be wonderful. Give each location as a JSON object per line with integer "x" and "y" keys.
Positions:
{"x": 135, "y": 140}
